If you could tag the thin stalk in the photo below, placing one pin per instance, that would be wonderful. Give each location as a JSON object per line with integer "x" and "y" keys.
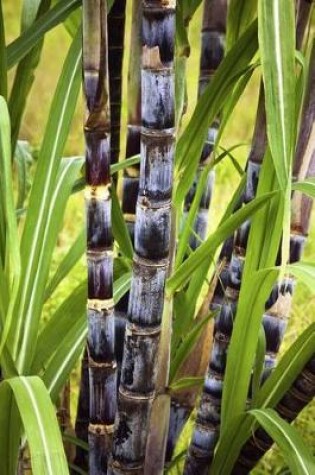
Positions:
{"x": 212, "y": 52}
{"x": 224, "y": 303}
{"x": 116, "y": 36}
{"x": 131, "y": 175}
{"x": 304, "y": 8}
{"x": 293, "y": 402}
{"x": 152, "y": 239}
{"x": 101, "y": 322}
{"x": 82, "y": 417}
{"x": 64, "y": 416}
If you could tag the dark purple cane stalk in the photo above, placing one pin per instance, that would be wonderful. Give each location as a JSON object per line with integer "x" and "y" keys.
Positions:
{"x": 212, "y": 52}
{"x": 151, "y": 240}
{"x": 116, "y": 34}
{"x": 293, "y": 402}
{"x": 224, "y": 303}
{"x": 101, "y": 322}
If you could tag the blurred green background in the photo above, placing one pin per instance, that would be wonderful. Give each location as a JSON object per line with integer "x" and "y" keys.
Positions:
{"x": 239, "y": 130}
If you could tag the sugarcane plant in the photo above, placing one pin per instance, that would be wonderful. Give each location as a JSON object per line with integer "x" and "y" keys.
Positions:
{"x": 212, "y": 51}
{"x": 169, "y": 315}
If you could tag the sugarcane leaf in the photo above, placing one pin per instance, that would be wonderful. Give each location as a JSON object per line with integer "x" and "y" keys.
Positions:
{"x": 271, "y": 392}
{"x": 120, "y": 229}
{"x": 211, "y": 101}
{"x": 25, "y": 42}
{"x": 115, "y": 168}
{"x": 234, "y": 99}
{"x": 253, "y": 296}
{"x": 46, "y": 205}
{"x": 72, "y": 22}
{"x": 40, "y": 423}
{"x": 23, "y": 160}
{"x": 128, "y": 162}
{"x": 304, "y": 271}
{"x": 276, "y": 32}
{"x": 77, "y": 469}
{"x": 3, "y": 58}
{"x": 10, "y": 251}
{"x": 121, "y": 286}
{"x": 208, "y": 248}
{"x": 34, "y": 295}
{"x": 75, "y": 252}
{"x": 184, "y": 383}
{"x": 25, "y": 73}
{"x": 259, "y": 362}
{"x": 182, "y": 41}
{"x": 71, "y": 310}
{"x": 187, "y": 346}
{"x": 10, "y": 433}
{"x": 186, "y": 232}
{"x": 240, "y": 14}
{"x": 293, "y": 448}
{"x": 307, "y": 186}
{"x": 75, "y": 441}
{"x": 64, "y": 358}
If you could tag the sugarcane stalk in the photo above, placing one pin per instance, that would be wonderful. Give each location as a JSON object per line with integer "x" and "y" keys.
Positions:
{"x": 101, "y": 323}
{"x": 116, "y": 34}
{"x": 293, "y": 402}
{"x": 151, "y": 241}
{"x": 131, "y": 174}
{"x": 212, "y": 52}
{"x": 224, "y": 303}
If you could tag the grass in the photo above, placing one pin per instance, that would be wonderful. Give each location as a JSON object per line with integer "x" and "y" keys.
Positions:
{"x": 55, "y": 48}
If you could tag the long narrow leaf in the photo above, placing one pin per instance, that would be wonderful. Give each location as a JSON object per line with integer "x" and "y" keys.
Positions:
{"x": 44, "y": 196}
{"x": 40, "y": 423}
{"x": 12, "y": 261}
{"x": 75, "y": 252}
{"x": 3, "y": 57}
{"x": 24, "y": 43}
{"x": 210, "y": 103}
{"x": 276, "y": 31}
{"x": 295, "y": 451}
{"x": 208, "y": 248}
